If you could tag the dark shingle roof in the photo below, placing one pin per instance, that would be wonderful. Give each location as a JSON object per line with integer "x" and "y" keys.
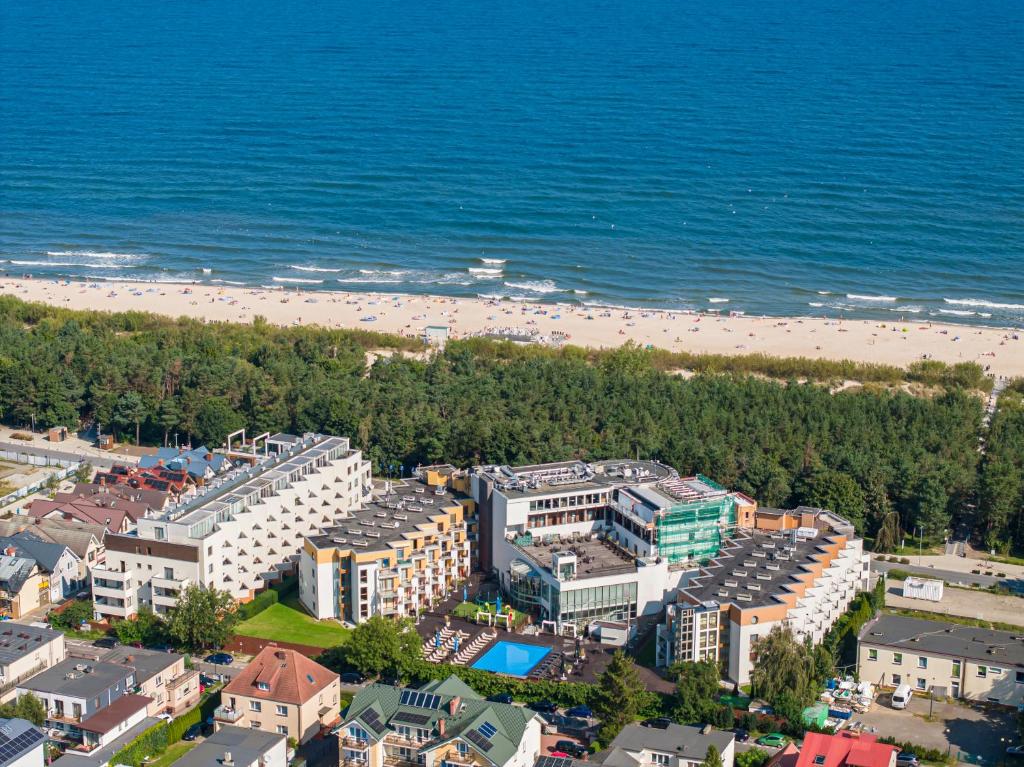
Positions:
{"x": 952, "y": 639}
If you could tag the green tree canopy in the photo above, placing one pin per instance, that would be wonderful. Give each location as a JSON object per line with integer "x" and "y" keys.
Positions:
{"x": 379, "y": 645}
{"x": 697, "y": 687}
{"x": 620, "y": 696}
{"x": 203, "y": 618}
{"x": 713, "y": 758}
{"x": 27, "y": 707}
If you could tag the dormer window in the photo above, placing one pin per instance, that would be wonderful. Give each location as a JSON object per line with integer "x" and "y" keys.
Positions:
{"x": 263, "y": 686}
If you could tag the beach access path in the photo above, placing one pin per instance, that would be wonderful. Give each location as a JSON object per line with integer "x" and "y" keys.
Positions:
{"x": 999, "y": 350}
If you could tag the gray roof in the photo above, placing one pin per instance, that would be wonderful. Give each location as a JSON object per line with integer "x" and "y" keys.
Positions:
{"x": 67, "y": 679}
{"x": 147, "y": 663}
{"x": 573, "y": 476}
{"x": 246, "y": 747}
{"x": 33, "y": 547}
{"x": 14, "y": 571}
{"x": 921, "y": 636}
{"x": 104, "y": 754}
{"x": 18, "y": 640}
{"x": 678, "y": 739}
{"x": 17, "y": 738}
{"x": 76, "y": 535}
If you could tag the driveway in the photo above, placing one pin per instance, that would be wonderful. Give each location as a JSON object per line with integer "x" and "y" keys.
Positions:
{"x": 957, "y": 728}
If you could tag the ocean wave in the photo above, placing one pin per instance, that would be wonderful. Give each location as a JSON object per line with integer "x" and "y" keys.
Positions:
{"x": 816, "y": 304}
{"x": 718, "y": 300}
{"x": 484, "y": 271}
{"x": 859, "y": 297}
{"x": 907, "y": 309}
{"x": 94, "y": 254}
{"x": 981, "y": 303}
{"x": 393, "y": 272}
{"x": 824, "y": 292}
{"x": 535, "y": 286}
{"x": 964, "y": 313}
{"x": 298, "y": 280}
{"x": 314, "y": 269}
{"x": 492, "y": 260}
{"x": 227, "y": 282}
{"x": 73, "y": 265}
{"x": 579, "y": 292}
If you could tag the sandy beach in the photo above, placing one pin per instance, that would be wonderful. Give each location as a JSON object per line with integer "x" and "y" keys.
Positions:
{"x": 1000, "y": 351}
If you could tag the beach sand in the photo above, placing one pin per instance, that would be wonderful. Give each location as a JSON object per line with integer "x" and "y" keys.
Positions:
{"x": 1000, "y": 351}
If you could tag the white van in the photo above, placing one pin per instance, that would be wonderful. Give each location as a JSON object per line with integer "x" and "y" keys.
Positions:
{"x": 901, "y": 696}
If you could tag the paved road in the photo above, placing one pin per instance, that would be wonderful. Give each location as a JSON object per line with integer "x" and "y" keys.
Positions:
{"x": 951, "y": 576}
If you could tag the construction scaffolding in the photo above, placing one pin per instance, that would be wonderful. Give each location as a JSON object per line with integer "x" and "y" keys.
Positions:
{"x": 695, "y": 530}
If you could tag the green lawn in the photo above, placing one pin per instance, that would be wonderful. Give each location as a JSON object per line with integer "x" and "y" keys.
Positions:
{"x": 172, "y": 754}
{"x": 283, "y": 623}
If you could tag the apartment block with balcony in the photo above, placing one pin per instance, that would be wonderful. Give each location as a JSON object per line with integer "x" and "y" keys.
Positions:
{"x": 675, "y": 746}
{"x": 405, "y": 550}
{"x": 283, "y": 692}
{"x": 239, "y": 531}
{"x": 443, "y": 724}
{"x": 25, "y": 651}
{"x": 799, "y": 568}
{"x": 159, "y": 676}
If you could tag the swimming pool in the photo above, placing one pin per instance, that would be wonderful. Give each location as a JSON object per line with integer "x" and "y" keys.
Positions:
{"x": 512, "y": 658}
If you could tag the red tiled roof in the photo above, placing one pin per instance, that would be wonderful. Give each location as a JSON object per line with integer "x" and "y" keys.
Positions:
{"x": 291, "y": 677}
{"x": 120, "y": 710}
{"x": 84, "y": 511}
{"x": 845, "y": 749}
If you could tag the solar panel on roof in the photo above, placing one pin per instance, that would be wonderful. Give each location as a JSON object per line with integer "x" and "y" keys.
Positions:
{"x": 553, "y": 761}
{"x": 479, "y": 740}
{"x": 487, "y": 730}
{"x": 15, "y": 746}
{"x": 372, "y": 720}
{"x": 410, "y": 718}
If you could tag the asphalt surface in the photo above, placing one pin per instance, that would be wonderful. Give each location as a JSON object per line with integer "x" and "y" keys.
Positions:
{"x": 951, "y": 576}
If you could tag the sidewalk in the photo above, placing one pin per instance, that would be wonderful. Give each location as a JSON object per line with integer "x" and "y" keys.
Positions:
{"x": 962, "y": 564}
{"x": 73, "y": 444}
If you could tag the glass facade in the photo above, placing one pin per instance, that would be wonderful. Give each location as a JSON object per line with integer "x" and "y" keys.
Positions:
{"x": 613, "y": 602}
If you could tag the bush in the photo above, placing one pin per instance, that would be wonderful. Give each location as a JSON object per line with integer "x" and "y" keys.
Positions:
{"x": 72, "y": 616}
{"x": 897, "y": 575}
{"x": 176, "y": 728}
{"x": 260, "y": 603}
{"x": 904, "y": 561}
{"x": 150, "y": 743}
{"x": 923, "y": 752}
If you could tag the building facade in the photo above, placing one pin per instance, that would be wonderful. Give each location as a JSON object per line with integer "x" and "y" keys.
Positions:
{"x": 236, "y": 532}
{"x": 25, "y": 651}
{"x": 799, "y": 568}
{"x": 943, "y": 658}
{"x": 396, "y": 556}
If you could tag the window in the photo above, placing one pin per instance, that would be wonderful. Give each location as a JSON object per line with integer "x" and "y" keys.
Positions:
{"x": 1020, "y": 677}
{"x": 263, "y": 686}
{"x": 819, "y": 759}
{"x": 956, "y": 669}
{"x": 660, "y": 759}
{"x": 254, "y": 705}
{"x": 282, "y": 729}
{"x": 897, "y": 679}
{"x": 982, "y": 672}
{"x": 872, "y": 654}
{"x": 463, "y": 749}
{"x": 922, "y": 684}
{"x": 282, "y": 710}
{"x": 897, "y": 659}
{"x": 922, "y": 662}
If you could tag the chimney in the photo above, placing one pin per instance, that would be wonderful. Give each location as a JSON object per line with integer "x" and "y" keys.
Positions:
{"x": 10, "y": 551}
{"x": 103, "y": 481}
{"x": 440, "y": 727}
{"x": 453, "y": 705}
{"x": 227, "y": 758}
{"x": 280, "y": 655}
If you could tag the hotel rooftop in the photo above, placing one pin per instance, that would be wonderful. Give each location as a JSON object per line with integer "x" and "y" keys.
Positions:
{"x": 562, "y": 476}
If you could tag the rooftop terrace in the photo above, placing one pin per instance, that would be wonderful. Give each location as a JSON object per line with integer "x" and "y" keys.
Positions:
{"x": 561, "y": 476}
{"x": 594, "y": 557}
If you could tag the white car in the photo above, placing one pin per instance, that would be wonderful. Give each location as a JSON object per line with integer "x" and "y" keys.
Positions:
{"x": 166, "y": 717}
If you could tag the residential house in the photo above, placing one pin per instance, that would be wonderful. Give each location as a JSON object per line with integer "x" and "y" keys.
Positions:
{"x": 84, "y": 539}
{"x": 59, "y": 563}
{"x": 443, "y": 724}
{"x": 155, "y": 501}
{"x": 845, "y": 749}
{"x": 23, "y": 586}
{"x": 237, "y": 747}
{"x": 22, "y": 744}
{"x": 283, "y": 692}
{"x": 200, "y": 464}
{"x": 943, "y": 658}
{"x": 674, "y": 746}
{"x": 26, "y": 650}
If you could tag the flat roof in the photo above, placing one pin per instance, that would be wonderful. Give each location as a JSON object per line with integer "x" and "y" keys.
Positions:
{"x": 573, "y": 476}
{"x": 922, "y": 636}
{"x": 18, "y": 640}
{"x": 594, "y": 558}
{"x": 247, "y": 746}
{"x": 77, "y": 678}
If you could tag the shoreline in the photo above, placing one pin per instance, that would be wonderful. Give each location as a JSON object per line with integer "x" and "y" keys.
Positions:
{"x": 998, "y": 350}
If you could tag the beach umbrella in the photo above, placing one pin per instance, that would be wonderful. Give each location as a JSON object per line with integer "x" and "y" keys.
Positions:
{"x": 497, "y": 604}
{"x": 437, "y": 638}
{"x": 456, "y": 645}
{"x": 465, "y": 593}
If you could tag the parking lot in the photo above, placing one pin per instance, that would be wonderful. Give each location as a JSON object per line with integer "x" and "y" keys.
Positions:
{"x": 979, "y": 730}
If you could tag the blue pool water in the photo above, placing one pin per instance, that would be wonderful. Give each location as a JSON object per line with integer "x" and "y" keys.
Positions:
{"x": 512, "y": 658}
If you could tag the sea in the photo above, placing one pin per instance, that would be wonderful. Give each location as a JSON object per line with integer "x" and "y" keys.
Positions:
{"x": 796, "y": 157}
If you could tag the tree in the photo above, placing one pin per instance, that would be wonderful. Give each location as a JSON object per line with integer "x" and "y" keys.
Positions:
{"x": 752, "y": 757}
{"x": 713, "y": 758}
{"x": 215, "y": 419}
{"x": 147, "y": 628}
{"x": 27, "y": 707}
{"x": 203, "y": 617}
{"x": 169, "y": 416}
{"x": 130, "y": 409}
{"x": 379, "y": 646}
{"x": 833, "y": 490}
{"x": 784, "y": 672}
{"x": 696, "y": 690}
{"x": 888, "y": 535}
{"x": 73, "y": 616}
{"x": 619, "y": 696}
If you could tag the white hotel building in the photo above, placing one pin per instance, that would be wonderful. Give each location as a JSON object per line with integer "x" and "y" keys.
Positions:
{"x": 237, "y": 533}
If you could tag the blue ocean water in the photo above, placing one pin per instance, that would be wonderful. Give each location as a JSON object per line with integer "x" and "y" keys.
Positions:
{"x": 761, "y": 156}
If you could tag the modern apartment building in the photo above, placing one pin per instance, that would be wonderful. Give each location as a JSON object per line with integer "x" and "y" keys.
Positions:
{"x": 574, "y": 542}
{"x": 239, "y": 530}
{"x": 282, "y": 692}
{"x": 799, "y": 568}
{"x": 395, "y": 556}
{"x": 943, "y": 658}
{"x": 443, "y": 724}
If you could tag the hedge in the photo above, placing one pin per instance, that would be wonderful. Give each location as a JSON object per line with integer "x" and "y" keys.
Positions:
{"x": 261, "y": 602}
{"x": 150, "y": 743}
{"x": 923, "y": 753}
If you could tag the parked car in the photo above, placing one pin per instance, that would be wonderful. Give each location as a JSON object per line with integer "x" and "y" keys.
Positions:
{"x": 773, "y": 739}
{"x": 742, "y": 736}
{"x": 1012, "y": 751}
{"x": 208, "y": 680}
{"x": 661, "y": 722}
{"x": 543, "y": 707}
{"x": 583, "y": 712}
{"x": 352, "y": 677}
{"x": 559, "y": 754}
{"x": 193, "y": 732}
{"x": 219, "y": 659}
{"x": 162, "y": 647}
{"x": 106, "y": 642}
{"x": 573, "y": 749}
{"x": 501, "y": 697}
{"x": 166, "y": 717}
{"x": 906, "y": 759}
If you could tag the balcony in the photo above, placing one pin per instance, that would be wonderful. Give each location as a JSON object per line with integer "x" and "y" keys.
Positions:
{"x": 166, "y": 590}
{"x": 357, "y": 744}
{"x": 112, "y": 607}
{"x": 186, "y": 677}
{"x": 227, "y": 714}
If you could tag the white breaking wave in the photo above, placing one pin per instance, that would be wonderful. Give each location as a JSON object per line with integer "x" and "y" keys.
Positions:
{"x": 492, "y": 260}
{"x": 981, "y": 303}
{"x": 537, "y": 286}
{"x": 718, "y": 300}
{"x": 93, "y": 254}
{"x": 298, "y": 280}
{"x": 579, "y": 292}
{"x": 858, "y": 297}
{"x": 816, "y": 304}
{"x": 207, "y": 270}
{"x": 314, "y": 269}
{"x": 907, "y": 309}
{"x": 824, "y": 293}
{"x": 228, "y": 282}
{"x": 66, "y": 264}
{"x": 484, "y": 271}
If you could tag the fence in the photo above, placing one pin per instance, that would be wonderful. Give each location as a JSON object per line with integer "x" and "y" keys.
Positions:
{"x": 24, "y": 492}
{"x": 254, "y": 645}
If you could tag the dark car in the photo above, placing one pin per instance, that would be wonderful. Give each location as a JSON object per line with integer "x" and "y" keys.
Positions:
{"x": 220, "y": 659}
{"x": 106, "y": 642}
{"x": 193, "y": 732}
{"x": 583, "y": 712}
{"x": 162, "y": 648}
{"x": 352, "y": 677}
{"x": 208, "y": 680}
{"x": 742, "y": 736}
{"x": 573, "y": 749}
{"x": 501, "y": 697}
{"x": 543, "y": 707}
{"x": 661, "y": 722}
